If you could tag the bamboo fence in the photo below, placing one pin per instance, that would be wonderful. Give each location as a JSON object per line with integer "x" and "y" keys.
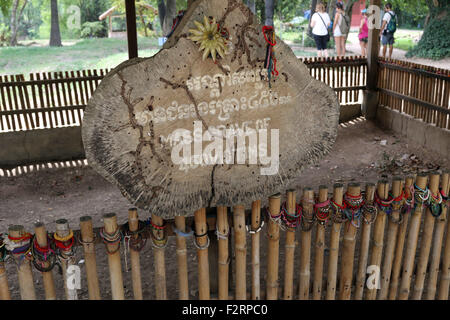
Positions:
{"x": 344, "y": 237}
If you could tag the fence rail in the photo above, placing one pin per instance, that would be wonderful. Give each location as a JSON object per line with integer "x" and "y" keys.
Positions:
{"x": 58, "y": 99}
{"x": 46, "y": 100}
{"x": 417, "y": 90}
{"x": 368, "y": 234}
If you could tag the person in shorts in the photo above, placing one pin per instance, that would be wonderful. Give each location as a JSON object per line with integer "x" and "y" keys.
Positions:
{"x": 387, "y": 38}
{"x": 363, "y": 35}
{"x": 320, "y": 21}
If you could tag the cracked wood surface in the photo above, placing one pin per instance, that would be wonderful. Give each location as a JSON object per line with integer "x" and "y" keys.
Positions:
{"x": 128, "y": 121}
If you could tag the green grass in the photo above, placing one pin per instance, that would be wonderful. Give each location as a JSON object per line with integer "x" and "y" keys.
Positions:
{"x": 403, "y": 44}
{"x": 294, "y": 36}
{"x": 84, "y": 54}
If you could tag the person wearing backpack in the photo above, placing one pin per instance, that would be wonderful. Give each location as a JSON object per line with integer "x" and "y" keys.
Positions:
{"x": 341, "y": 27}
{"x": 388, "y": 29}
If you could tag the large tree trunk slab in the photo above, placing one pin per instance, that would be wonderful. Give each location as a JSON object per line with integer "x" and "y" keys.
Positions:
{"x": 129, "y": 123}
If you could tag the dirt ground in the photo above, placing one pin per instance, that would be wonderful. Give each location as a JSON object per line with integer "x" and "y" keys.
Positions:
{"x": 362, "y": 153}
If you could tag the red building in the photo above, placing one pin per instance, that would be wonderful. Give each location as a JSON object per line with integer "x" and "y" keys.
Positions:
{"x": 356, "y": 12}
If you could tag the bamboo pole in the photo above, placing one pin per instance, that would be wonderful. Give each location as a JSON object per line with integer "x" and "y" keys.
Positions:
{"x": 444, "y": 283}
{"x": 255, "y": 236}
{"x": 25, "y": 274}
{"x": 437, "y": 242}
{"x": 289, "y": 249}
{"x": 133, "y": 225}
{"x": 305, "y": 240}
{"x": 113, "y": 251}
{"x": 348, "y": 249}
{"x": 202, "y": 242}
{"x": 400, "y": 245}
{"x": 378, "y": 238}
{"x": 159, "y": 238}
{"x": 62, "y": 231}
{"x": 427, "y": 238}
{"x": 393, "y": 224}
{"x": 49, "y": 283}
{"x": 183, "y": 284}
{"x": 87, "y": 238}
{"x": 413, "y": 236}
{"x": 223, "y": 230}
{"x": 368, "y": 218}
{"x": 273, "y": 249}
{"x": 240, "y": 249}
{"x": 338, "y": 193}
{"x": 319, "y": 251}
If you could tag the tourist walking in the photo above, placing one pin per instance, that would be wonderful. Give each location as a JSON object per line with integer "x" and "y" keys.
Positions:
{"x": 388, "y": 29}
{"x": 363, "y": 33}
{"x": 320, "y": 21}
{"x": 341, "y": 27}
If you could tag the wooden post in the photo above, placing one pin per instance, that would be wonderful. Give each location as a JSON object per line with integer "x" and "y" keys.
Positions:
{"x": 202, "y": 243}
{"x": 130, "y": 11}
{"x": 87, "y": 238}
{"x": 305, "y": 242}
{"x": 378, "y": 238}
{"x": 113, "y": 251}
{"x": 348, "y": 248}
{"x": 444, "y": 283}
{"x": 49, "y": 283}
{"x": 63, "y": 231}
{"x": 273, "y": 249}
{"x": 256, "y": 226}
{"x": 338, "y": 193}
{"x": 427, "y": 238}
{"x": 25, "y": 274}
{"x": 240, "y": 251}
{"x": 413, "y": 236}
{"x": 223, "y": 230}
{"x": 368, "y": 217}
{"x": 159, "y": 238}
{"x": 289, "y": 249}
{"x": 437, "y": 242}
{"x": 183, "y": 284}
{"x": 319, "y": 252}
{"x": 394, "y": 220}
{"x": 370, "y": 101}
{"x": 401, "y": 237}
{"x": 133, "y": 225}
{"x": 4, "y": 288}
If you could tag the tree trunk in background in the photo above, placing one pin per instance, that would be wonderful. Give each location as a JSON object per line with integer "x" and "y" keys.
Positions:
{"x": 170, "y": 14}
{"x": 55, "y": 34}
{"x": 435, "y": 38}
{"x": 313, "y": 9}
{"x": 15, "y": 20}
{"x": 161, "y": 12}
{"x": 330, "y": 9}
{"x": 251, "y": 4}
{"x": 14, "y": 23}
{"x": 270, "y": 5}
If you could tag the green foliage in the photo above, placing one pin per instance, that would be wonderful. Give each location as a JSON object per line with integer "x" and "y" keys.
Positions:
{"x": 435, "y": 41}
{"x": 95, "y": 29}
{"x": 5, "y": 35}
{"x": 5, "y": 6}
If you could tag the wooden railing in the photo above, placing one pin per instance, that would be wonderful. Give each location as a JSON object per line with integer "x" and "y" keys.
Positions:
{"x": 46, "y": 100}
{"x": 57, "y": 99}
{"x": 417, "y": 90}
{"x": 347, "y": 76}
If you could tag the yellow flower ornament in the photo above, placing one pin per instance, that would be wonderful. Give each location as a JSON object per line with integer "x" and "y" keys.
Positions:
{"x": 210, "y": 38}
